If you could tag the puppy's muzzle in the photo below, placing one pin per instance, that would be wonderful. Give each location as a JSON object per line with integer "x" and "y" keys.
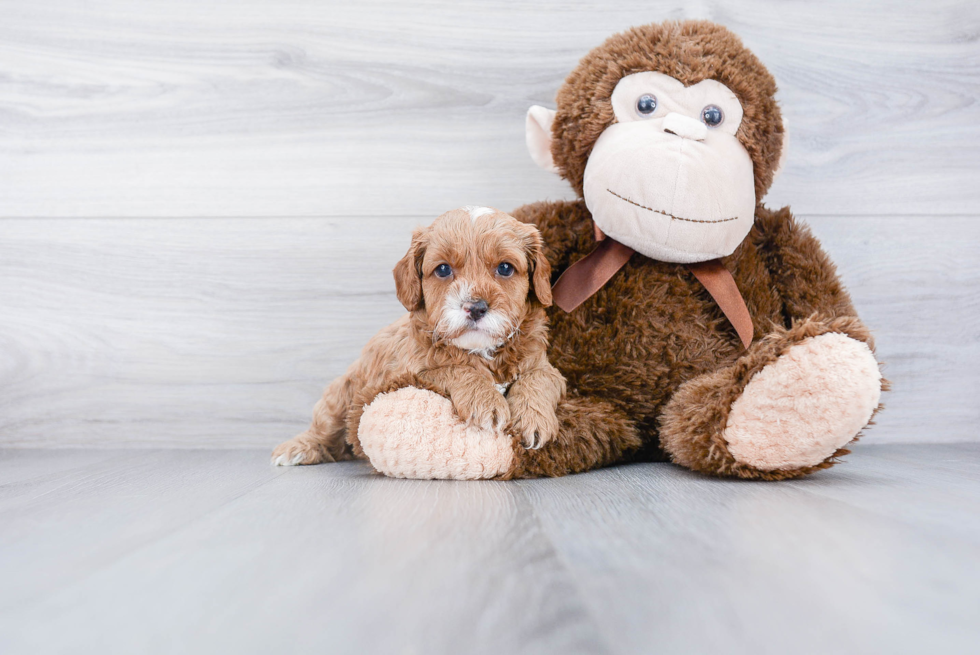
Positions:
{"x": 476, "y": 309}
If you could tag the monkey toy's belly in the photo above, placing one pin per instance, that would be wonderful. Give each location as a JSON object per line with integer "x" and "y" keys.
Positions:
{"x": 647, "y": 331}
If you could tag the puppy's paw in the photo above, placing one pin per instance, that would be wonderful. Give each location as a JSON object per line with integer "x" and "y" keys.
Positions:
{"x": 536, "y": 427}
{"x": 484, "y": 408}
{"x": 300, "y": 450}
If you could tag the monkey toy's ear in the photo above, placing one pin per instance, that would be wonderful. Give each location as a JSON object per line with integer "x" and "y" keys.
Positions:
{"x": 537, "y": 133}
{"x": 408, "y": 273}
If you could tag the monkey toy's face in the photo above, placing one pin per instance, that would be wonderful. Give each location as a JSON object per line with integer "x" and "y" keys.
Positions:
{"x": 668, "y": 177}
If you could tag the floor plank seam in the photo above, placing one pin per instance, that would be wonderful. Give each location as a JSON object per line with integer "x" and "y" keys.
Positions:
{"x": 567, "y": 568}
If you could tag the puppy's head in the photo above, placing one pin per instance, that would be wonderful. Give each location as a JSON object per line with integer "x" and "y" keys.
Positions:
{"x": 475, "y": 273}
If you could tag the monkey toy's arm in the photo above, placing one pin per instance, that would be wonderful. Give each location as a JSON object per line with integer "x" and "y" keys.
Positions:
{"x": 803, "y": 274}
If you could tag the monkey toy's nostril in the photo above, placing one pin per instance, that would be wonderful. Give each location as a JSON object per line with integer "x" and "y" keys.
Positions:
{"x": 476, "y": 309}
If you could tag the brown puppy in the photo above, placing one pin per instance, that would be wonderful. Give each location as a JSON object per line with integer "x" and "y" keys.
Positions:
{"x": 475, "y": 284}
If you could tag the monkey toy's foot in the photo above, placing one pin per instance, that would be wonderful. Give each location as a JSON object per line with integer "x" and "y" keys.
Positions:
{"x": 414, "y": 433}
{"x": 785, "y": 409}
{"x": 802, "y": 408}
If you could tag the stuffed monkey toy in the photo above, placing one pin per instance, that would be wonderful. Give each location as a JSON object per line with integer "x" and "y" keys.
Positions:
{"x": 692, "y": 324}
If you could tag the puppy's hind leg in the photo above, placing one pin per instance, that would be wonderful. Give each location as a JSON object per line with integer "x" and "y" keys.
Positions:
{"x": 323, "y": 441}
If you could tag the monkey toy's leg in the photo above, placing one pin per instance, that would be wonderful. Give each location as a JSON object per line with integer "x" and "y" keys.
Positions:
{"x": 796, "y": 397}
{"x": 592, "y": 433}
{"x": 323, "y": 441}
{"x": 413, "y": 432}
{"x": 786, "y": 408}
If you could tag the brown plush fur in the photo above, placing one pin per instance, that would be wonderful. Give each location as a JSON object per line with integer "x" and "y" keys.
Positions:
{"x": 424, "y": 347}
{"x": 653, "y": 335}
{"x": 652, "y": 364}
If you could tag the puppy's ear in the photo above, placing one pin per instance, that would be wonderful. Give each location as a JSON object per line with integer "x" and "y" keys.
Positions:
{"x": 408, "y": 272}
{"x": 539, "y": 269}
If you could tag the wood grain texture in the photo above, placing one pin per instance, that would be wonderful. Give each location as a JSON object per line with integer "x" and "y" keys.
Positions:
{"x": 215, "y": 551}
{"x": 311, "y": 108}
{"x": 223, "y": 332}
{"x": 328, "y": 559}
{"x": 184, "y": 332}
{"x": 827, "y": 564}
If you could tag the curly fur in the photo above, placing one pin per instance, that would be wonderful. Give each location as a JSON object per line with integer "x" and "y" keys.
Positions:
{"x": 440, "y": 347}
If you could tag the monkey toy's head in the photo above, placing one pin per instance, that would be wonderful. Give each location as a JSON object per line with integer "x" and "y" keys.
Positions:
{"x": 671, "y": 133}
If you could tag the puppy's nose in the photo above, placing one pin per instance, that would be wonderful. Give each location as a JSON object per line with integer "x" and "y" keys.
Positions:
{"x": 476, "y": 309}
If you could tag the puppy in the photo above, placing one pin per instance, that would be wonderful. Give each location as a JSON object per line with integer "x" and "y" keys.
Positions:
{"x": 475, "y": 284}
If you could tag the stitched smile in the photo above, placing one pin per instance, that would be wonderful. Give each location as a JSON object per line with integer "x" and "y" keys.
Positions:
{"x": 671, "y": 216}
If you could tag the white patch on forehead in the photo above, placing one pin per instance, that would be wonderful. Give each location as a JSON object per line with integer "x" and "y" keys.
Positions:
{"x": 477, "y": 212}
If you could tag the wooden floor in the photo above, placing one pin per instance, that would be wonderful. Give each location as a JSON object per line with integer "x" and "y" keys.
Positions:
{"x": 215, "y": 551}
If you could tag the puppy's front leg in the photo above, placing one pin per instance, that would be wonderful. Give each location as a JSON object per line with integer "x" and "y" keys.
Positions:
{"x": 474, "y": 395}
{"x": 533, "y": 399}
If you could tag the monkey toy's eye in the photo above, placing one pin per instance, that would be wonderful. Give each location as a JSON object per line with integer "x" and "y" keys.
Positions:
{"x": 506, "y": 269}
{"x": 712, "y": 116}
{"x": 443, "y": 270}
{"x": 646, "y": 104}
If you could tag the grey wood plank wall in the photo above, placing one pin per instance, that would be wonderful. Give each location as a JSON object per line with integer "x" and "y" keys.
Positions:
{"x": 200, "y": 204}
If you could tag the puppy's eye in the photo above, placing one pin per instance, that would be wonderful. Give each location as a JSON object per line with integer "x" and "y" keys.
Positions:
{"x": 506, "y": 269}
{"x": 443, "y": 270}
